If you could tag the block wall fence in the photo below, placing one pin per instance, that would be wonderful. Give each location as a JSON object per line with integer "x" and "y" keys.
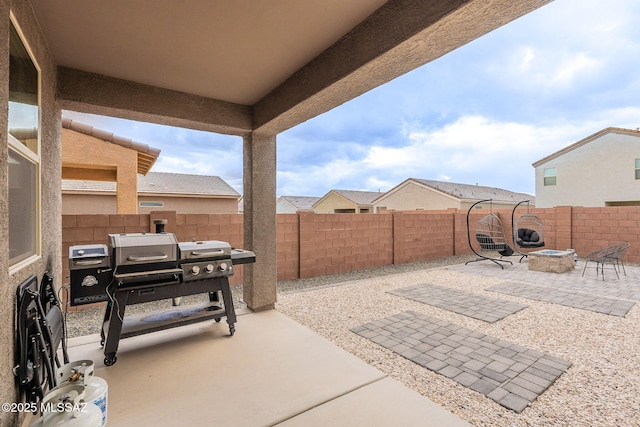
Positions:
{"x": 311, "y": 245}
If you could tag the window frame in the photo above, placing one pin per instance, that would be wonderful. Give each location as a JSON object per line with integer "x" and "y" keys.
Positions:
{"x": 33, "y": 157}
{"x": 637, "y": 169}
{"x": 151, "y": 204}
{"x": 550, "y": 177}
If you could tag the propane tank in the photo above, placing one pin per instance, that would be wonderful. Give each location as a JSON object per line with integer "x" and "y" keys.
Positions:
{"x": 81, "y": 373}
{"x": 66, "y": 406}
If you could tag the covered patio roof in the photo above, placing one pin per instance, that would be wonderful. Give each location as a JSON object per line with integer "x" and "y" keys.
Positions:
{"x": 234, "y": 67}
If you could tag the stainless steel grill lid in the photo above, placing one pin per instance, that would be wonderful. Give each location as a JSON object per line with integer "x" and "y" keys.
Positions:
{"x": 204, "y": 249}
{"x": 143, "y": 248}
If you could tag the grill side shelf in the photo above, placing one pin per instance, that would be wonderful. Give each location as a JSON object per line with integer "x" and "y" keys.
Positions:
{"x": 241, "y": 256}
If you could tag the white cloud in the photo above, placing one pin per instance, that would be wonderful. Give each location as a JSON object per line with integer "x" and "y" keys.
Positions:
{"x": 573, "y": 67}
{"x": 473, "y": 149}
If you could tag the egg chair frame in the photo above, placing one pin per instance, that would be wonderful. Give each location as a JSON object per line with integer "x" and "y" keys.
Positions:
{"x": 490, "y": 236}
{"x": 528, "y": 231}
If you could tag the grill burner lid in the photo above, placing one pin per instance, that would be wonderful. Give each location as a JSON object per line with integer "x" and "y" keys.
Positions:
{"x": 204, "y": 249}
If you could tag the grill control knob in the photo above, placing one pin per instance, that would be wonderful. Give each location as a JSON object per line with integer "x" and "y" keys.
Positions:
{"x": 209, "y": 268}
{"x": 222, "y": 266}
{"x": 195, "y": 270}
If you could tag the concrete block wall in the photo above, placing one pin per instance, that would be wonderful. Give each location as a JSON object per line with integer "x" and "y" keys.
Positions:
{"x": 336, "y": 243}
{"x": 288, "y": 232}
{"x": 419, "y": 236}
{"x": 594, "y": 228}
{"x": 310, "y": 245}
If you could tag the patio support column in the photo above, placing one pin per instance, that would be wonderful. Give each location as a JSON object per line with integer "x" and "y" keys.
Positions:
{"x": 259, "y": 202}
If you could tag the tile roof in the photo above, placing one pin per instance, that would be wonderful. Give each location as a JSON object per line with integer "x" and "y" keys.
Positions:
{"x": 474, "y": 192}
{"x": 147, "y": 155}
{"x": 360, "y": 197}
{"x": 301, "y": 202}
{"x": 585, "y": 141}
{"x": 162, "y": 183}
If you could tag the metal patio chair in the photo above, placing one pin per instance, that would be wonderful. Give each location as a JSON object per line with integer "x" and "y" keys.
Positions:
{"x": 602, "y": 257}
{"x": 617, "y": 254}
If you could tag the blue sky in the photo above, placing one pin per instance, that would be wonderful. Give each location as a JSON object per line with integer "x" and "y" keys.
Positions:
{"x": 481, "y": 114}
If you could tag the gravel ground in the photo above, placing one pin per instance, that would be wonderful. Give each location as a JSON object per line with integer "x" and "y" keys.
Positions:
{"x": 602, "y": 388}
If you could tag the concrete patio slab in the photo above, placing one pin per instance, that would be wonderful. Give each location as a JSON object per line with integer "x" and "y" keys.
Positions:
{"x": 510, "y": 374}
{"x": 273, "y": 370}
{"x": 466, "y": 303}
{"x": 383, "y": 403}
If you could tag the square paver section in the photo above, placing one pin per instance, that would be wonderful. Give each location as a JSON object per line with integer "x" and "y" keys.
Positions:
{"x": 513, "y": 378}
{"x": 479, "y": 307}
{"x": 568, "y": 298}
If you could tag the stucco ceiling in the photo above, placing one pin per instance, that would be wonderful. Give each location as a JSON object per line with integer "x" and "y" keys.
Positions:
{"x": 230, "y": 50}
{"x": 239, "y": 66}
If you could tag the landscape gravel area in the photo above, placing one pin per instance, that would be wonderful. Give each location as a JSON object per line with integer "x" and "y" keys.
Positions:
{"x": 601, "y": 388}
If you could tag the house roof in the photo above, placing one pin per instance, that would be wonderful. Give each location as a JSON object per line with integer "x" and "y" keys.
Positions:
{"x": 357, "y": 197}
{"x": 162, "y": 183}
{"x": 584, "y": 141}
{"x": 473, "y": 192}
{"x": 147, "y": 155}
{"x": 301, "y": 202}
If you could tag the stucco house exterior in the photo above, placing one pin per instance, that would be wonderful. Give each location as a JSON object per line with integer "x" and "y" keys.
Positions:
{"x": 111, "y": 161}
{"x": 294, "y": 204}
{"x": 422, "y": 194}
{"x": 346, "y": 201}
{"x": 157, "y": 191}
{"x": 602, "y": 169}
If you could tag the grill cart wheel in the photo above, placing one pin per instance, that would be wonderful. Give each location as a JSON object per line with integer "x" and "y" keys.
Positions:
{"x": 110, "y": 359}
{"x": 232, "y": 329}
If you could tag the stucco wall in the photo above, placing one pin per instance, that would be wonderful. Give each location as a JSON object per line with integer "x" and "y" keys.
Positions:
{"x": 84, "y": 204}
{"x": 590, "y": 175}
{"x": 412, "y": 196}
{"x": 51, "y": 164}
{"x": 332, "y": 202}
{"x": 284, "y": 206}
{"x": 79, "y": 204}
{"x": 190, "y": 205}
{"x": 121, "y": 161}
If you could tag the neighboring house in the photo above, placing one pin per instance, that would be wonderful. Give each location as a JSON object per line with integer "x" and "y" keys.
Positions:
{"x": 423, "y": 194}
{"x": 346, "y": 201}
{"x": 157, "y": 191}
{"x": 293, "y": 204}
{"x": 602, "y": 169}
{"x": 90, "y": 154}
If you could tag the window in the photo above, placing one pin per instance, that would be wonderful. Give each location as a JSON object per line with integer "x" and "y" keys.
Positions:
{"x": 23, "y": 153}
{"x": 637, "y": 168}
{"x": 550, "y": 176}
{"x": 151, "y": 204}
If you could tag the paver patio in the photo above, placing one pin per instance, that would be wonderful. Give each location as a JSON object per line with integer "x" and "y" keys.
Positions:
{"x": 626, "y": 287}
{"x": 510, "y": 374}
{"x": 469, "y": 304}
{"x": 569, "y": 298}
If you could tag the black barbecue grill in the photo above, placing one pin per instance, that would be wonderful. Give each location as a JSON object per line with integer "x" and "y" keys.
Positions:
{"x": 145, "y": 267}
